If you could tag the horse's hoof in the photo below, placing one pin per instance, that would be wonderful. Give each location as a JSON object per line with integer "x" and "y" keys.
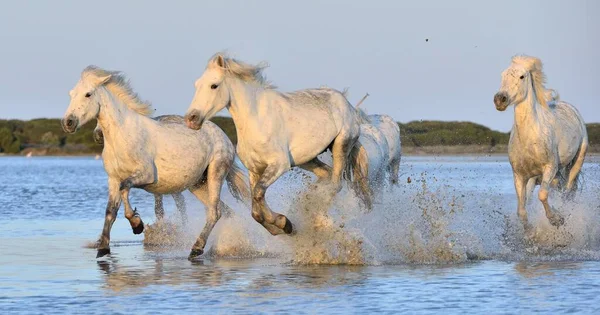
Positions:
{"x": 102, "y": 252}
{"x": 138, "y": 229}
{"x": 195, "y": 253}
{"x": 288, "y": 228}
{"x": 557, "y": 220}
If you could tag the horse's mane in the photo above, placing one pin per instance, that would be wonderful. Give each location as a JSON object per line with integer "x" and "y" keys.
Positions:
{"x": 535, "y": 68}
{"x": 244, "y": 71}
{"x": 119, "y": 86}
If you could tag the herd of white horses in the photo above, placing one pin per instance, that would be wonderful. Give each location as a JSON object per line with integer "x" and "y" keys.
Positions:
{"x": 277, "y": 131}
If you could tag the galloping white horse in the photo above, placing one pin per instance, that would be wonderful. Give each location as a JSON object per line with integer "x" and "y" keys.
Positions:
{"x": 159, "y": 209}
{"x": 548, "y": 139}
{"x": 159, "y": 157}
{"x": 391, "y": 131}
{"x": 275, "y": 130}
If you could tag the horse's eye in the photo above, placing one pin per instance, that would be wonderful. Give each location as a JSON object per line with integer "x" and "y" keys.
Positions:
{"x": 88, "y": 94}
{"x": 522, "y": 77}
{"x": 214, "y": 86}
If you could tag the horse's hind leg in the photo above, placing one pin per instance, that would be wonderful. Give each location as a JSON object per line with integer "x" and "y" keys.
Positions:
{"x": 554, "y": 218}
{"x": 209, "y": 194}
{"x": 159, "y": 209}
{"x": 577, "y": 165}
{"x": 274, "y": 222}
{"x": 317, "y": 167}
{"x": 394, "y": 167}
{"x": 530, "y": 187}
{"x": 180, "y": 204}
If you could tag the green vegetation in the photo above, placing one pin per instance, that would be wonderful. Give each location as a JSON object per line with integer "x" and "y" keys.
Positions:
{"x": 45, "y": 136}
{"x": 436, "y": 133}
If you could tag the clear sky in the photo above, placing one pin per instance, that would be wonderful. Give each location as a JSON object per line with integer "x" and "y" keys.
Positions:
{"x": 368, "y": 46}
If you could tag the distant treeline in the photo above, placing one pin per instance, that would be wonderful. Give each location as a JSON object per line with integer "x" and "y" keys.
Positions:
{"x": 45, "y": 136}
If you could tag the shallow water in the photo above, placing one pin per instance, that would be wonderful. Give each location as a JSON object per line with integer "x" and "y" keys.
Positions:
{"x": 448, "y": 241}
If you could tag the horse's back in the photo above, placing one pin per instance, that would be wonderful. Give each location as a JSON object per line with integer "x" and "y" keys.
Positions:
{"x": 183, "y": 154}
{"x": 309, "y": 121}
{"x": 328, "y": 101}
{"x": 175, "y": 119}
{"x": 570, "y": 130}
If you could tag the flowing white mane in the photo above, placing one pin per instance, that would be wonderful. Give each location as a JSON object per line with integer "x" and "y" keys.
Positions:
{"x": 119, "y": 86}
{"x": 535, "y": 68}
{"x": 244, "y": 71}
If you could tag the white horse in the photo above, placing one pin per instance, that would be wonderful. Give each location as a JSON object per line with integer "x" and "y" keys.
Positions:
{"x": 391, "y": 131}
{"x": 159, "y": 157}
{"x": 548, "y": 139}
{"x": 159, "y": 209}
{"x": 275, "y": 130}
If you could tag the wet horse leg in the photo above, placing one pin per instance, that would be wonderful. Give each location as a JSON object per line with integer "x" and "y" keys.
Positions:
{"x": 317, "y": 167}
{"x": 159, "y": 209}
{"x": 274, "y": 222}
{"x": 209, "y": 193}
{"x": 181, "y": 207}
{"x": 576, "y": 168}
{"x": 520, "y": 189}
{"x": 114, "y": 202}
{"x": 131, "y": 214}
{"x": 138, "y": 179}
{"x": 554, "y": 218}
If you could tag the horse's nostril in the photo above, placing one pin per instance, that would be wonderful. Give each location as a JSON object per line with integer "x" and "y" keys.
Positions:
{"x": 503, "y": 98}
{"x": 69, "y": 122}
{"x": 193, "y": 117}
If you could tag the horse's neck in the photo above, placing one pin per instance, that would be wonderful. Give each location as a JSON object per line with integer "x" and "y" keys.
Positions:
{"x": 115, "y": 119}
{"x": 244, "y": 105}
{"x": 528, "y": 115}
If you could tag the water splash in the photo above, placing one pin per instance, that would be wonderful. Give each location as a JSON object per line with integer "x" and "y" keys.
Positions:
{"x": 448, "y": 214}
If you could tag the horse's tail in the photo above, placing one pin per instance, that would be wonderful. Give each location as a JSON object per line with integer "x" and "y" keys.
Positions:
{"x": 357, "y": 173}
{"x": 237, "y": 181}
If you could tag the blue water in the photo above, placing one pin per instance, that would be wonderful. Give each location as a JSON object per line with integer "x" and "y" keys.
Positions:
{"x": 448, "y": 241}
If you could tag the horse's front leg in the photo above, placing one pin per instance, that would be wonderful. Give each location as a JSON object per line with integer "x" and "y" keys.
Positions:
{"x": 138, "y": 179}
{"x": 274, "y": 222}
{"x": 114, "y": 202}
{"x": 549, "y": 174}
{"x": 520, "y": 189}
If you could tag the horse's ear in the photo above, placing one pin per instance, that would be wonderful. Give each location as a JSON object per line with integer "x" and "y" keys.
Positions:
{"x": 98, "y": 81}
{"x": 218, "y": 61}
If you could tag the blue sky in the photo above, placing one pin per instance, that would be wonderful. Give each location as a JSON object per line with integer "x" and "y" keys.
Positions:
{"x": 368, "y": 46}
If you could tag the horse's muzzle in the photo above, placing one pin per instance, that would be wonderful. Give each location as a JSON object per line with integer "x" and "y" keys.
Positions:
{"x": 501, "y": 101}
{"x": 193, "y": 120}
{"x": 70, "y": 124}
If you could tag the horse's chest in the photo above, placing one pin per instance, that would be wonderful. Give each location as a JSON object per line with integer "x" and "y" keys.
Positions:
{"x": 254, "y": 157}
{"x": 117, "y": 166}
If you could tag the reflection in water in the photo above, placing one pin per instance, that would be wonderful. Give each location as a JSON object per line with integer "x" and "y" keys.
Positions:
{"x": 253, "y": 275}
{"x": 545, "y": 269}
